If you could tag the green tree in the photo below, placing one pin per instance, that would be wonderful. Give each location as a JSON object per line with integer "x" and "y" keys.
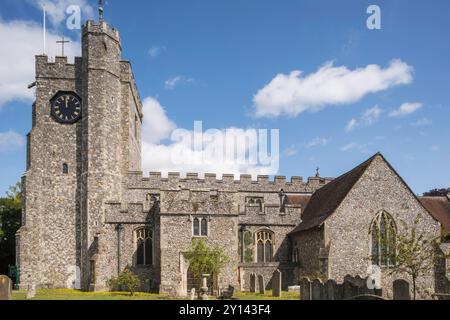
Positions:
{"x": 204, "y": 259}
{"x": 415, "y": 253}
{"x": 10, "y": 221}
{"x": 125, "y": 281}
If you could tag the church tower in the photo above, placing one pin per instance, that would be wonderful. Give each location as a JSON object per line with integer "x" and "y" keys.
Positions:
{"x": 84, "y": 140}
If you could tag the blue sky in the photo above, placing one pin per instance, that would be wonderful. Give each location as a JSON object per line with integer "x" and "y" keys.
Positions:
{"x": 208, "y": 60}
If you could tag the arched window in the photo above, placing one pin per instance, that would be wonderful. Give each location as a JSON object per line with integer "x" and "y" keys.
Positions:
{"x": 264, "y": 246}
{"x": 200, "y": 227}
{"x": 383, "y": 232}
{"x": 196, "y": 227}
{"x": 144, "y": 247}
{"x": 204, "y": 227}
{"x": 65, "y": 168}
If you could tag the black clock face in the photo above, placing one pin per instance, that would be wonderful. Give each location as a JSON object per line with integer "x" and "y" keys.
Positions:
{"x": 66, "y": 107}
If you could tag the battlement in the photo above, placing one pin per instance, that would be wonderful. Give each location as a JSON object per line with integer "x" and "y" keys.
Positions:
{"x": 174, "y": 181}
{"x": 103, "y": 27}
{"x": 60, "y": 68}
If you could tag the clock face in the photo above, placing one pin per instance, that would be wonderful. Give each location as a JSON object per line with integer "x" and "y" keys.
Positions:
{"x": 66, "y": 107}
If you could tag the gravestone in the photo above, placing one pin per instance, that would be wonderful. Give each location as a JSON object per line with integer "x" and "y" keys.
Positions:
{"x": 317, "y": 287}
{"x": 361, "y": 285}
{"x": 305, "y": 289}
{"x": 349, "y": 290}
{"x": 5, "y": 288}
{"x": 401, "y": 290}
{"x": 276, "y": 283}
{"x": 262, "y": 288}
{"x": 31, "y": 292}
{"x": 331, "y": 290}
{"x": 294, "y": 289}
{"x": 252, "y": 282}
{"x": 192, "y": 294}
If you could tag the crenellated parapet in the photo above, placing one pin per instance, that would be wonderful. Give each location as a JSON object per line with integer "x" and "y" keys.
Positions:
{"x": 58, "y": 69}
{"x": 263, "y": 183}
{"x": 101, "y": 28}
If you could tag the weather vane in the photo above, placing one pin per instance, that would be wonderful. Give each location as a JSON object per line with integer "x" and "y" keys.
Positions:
{"x": 100, "y": 10}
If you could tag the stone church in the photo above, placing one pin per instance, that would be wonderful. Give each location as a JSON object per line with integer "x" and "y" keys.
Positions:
{"x": 89, "y": 211}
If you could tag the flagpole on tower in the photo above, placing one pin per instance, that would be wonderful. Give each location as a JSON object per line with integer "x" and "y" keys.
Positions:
{"x": 45, "y": 31}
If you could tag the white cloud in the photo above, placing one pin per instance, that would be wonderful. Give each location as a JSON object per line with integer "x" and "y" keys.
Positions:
{"x": 10, "y": 140}
{"x": 369, "y": 117}
{"x": 17, "y": 64}
{"x": 406, "y": 109}
{"x": 422, "y": 122}
{"x": 295, "y": 93}
{"x": 364, "y": 148}
{"x": 352, "y": 124}
{"x": 156, "y": 125}
{"x": 155, "y": 51}
{"x": 173, "y": 82}
{"x": 56, "y": 9}
{"x": 291, "y": 151}
{"x": 316, "y": 142}
{"x": 349, "y": 146}
{"x": 158, "y": 156}
{"x": 434, "y": 148}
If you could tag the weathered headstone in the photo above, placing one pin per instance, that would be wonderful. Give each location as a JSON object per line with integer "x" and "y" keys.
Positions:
{"x": 349, "y": 290}
{"x": 192, "y": 294}
{"x": 5, "y": 288}
{"x": 317, "y": 287}
{"x": 305, "y": 289}
{"x": 31, "y": 292}
{"x": 401, "y": 290}
{"x": 252, "y": 282}
{"x": 262, "y": 287}
{"x": 276, "y": 283}
{"x": 331, "y": 290}
{"x": 294, "y": 289}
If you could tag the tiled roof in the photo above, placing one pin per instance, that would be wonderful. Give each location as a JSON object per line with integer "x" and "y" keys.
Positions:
{"x": 301, "y": 199}
{"x": 439, "y": 208}
{"x": 327, "y": 199}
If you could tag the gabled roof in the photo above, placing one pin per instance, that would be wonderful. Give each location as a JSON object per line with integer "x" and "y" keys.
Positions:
{"x": 328, "y": 198}
{"x": 439, "y": 209}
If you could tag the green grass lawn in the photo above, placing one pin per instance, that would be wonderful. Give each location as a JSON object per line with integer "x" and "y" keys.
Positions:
{"x": 267, "y": 296}
{"x": 66, "y": 294}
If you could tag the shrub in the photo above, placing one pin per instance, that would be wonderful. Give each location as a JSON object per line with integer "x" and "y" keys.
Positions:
{"x": 125, "y": 281}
